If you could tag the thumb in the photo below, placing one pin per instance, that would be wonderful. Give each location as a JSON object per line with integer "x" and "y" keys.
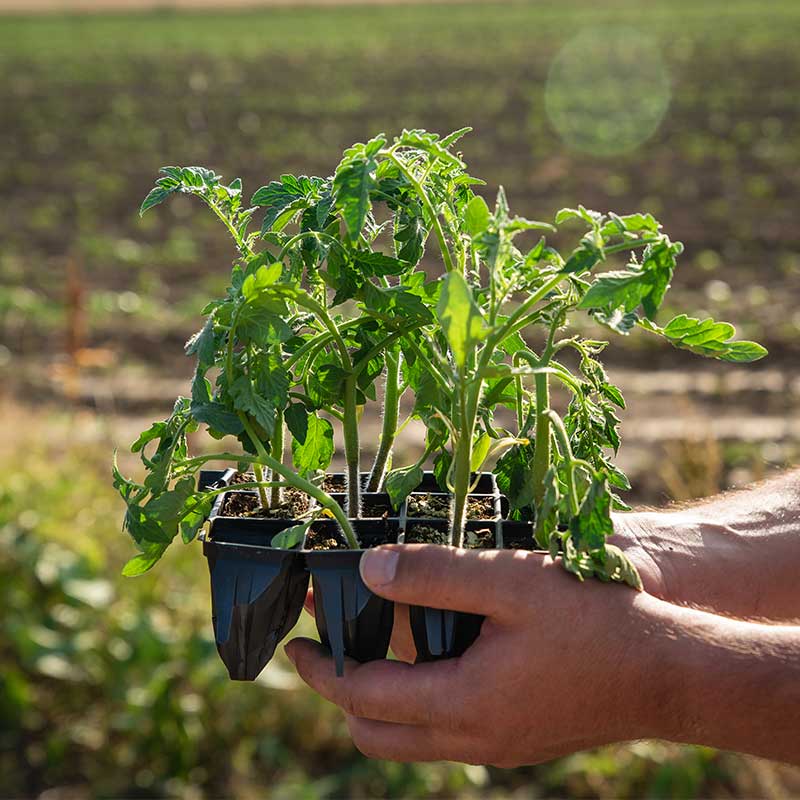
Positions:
{"x": 487, "y": 582}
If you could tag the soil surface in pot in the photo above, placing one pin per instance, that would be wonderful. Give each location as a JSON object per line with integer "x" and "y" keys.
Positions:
{"x": 321, "y": 539}
{"x": 435, "y": 506}
{"x": 334, "y": 483}
{"x": 237, "y": 504}
{"x": 375, "y": 508}
{"x": 482, "y": 539}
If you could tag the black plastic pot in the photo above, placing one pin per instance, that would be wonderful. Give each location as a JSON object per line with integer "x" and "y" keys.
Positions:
{"x": 351, "y": 620}
{"x": 257, "y": 591}
{"x": 444, "y": 633}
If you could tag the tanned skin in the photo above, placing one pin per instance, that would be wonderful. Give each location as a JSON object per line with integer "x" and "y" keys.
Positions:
{"x": 708, "y": 654}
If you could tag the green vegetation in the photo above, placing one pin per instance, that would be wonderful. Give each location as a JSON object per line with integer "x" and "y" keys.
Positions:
{"x": 285, "y": 348}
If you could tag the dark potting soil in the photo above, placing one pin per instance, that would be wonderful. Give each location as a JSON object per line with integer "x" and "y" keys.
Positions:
{"x": 373, "y": 509}
{"x": 435, "y": 506}
{"x": 482, "y": 539}
{"x": 239, "y": 504}
{"x": 334, "y": 483}
{"x": 324, "y": 539}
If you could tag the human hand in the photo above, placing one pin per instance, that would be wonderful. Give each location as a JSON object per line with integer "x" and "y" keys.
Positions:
{"x": 559, "y": 666}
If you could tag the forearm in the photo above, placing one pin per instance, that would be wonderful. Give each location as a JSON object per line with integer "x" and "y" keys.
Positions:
{"x": 723, "y": 683}
{"x": 738, "y": 554}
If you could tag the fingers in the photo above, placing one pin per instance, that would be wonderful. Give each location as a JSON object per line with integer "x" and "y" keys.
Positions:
{"x": 488, "y": 582}
{"x": 403, "y": 646}
{"x": 389, "y": 691}
{"x": 393, "y": 742}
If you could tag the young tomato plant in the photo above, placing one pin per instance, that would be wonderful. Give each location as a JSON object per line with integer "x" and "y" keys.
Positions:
{"x": 325, "y": 299}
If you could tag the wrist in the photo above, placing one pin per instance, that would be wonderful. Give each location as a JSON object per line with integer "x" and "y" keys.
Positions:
{"x": 719, "y": 682}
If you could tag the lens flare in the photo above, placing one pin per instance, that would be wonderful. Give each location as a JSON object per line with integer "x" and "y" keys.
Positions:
{"x": 607, "y": 90}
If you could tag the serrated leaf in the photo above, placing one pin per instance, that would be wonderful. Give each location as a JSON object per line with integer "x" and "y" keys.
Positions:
{"x": 155, "y": 196}
{"x": 460, "y": 317}
{"x": 316, "y": 451}
{"x": 140, "y": 564}
{"x": 401, "y": 482}
{"x": 476, "y": 216}
{"x": 296, "y": 417}
{"x": 353, "y": 182}
{"x": 218, "y": 417}
{"x": 707, "y": 338}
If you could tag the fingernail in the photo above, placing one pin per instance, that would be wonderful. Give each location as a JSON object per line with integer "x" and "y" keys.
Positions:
{"x": 378, "y": 567}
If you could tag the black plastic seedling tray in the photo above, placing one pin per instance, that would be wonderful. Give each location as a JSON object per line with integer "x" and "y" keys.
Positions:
{"x": 257, "y": 591}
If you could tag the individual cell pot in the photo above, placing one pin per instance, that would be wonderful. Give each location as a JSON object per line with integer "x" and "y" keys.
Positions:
{"x": 351, "y": 620}
{"x": 440, "y": 633}
{"x": 257, "y": 591}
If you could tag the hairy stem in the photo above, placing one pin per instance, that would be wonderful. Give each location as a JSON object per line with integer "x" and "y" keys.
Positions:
{"x": 462, "y": 460}
{"x": 276, "y": 448}
{"x": 258, "y": 471}
{"x": 426, "y": 202}
{"x": 541, "y": 453}
{"x": 566, "y": 453}
{"x": 352, "y": 455}
{"x": 391, "y": 412}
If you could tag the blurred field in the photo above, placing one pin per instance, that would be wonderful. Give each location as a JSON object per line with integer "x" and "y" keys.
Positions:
{"x": 112, "y": 688}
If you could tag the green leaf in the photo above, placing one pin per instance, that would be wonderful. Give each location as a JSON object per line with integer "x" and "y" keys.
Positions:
{"x": 460, "y": 317}
{"x": 316, "y": 451}
{"x": 156, "y": 431}
{"x": 584, "y": 258}
{"x": 194, "y": 519}
{"x": 476, "y": 216}
{"x": 616, "y": 566}
{"x": 401, "y": 482}
{"x": 203, "y": 344}
{"x": 707, "y": 338}
{"x": 290, "y": 537}
{"x": 296, "y": 417}
{"x": 619, "y": 289}
{"x": 247, "y": 399}
{"x": 264, "y": 277}
{"x": 379, "y": 264}
{"x": 218, "y": 417}
{"x": 140, "y": 564}
{"x": 480, "y": 449}
{"x": 409, "y": 234}
{"x": 167, "y": 506}
{"x": 156, "y": 196}
{"x": 258, "y": 323}
{"x": 354, "y": 179}
{"x": 592, "y": 525}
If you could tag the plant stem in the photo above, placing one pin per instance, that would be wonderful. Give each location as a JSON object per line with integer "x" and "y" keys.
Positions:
{"x": 262, "y": 492}
{"x": 541, "y": 452}
{"x": 423, "y": 196}
{"x": 293, "y": 479}
{"x": 352, "y": 455}
{"x": 566, "y": 452}
{"x": 462, "y": 459}
{"x": 391, "y": 412}
{"x": 276, "y": 448}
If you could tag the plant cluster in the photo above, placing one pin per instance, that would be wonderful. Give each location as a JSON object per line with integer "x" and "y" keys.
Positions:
{"x": 328, "y": 297}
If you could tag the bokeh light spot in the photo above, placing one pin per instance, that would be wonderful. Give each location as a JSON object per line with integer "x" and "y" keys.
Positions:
{"x": 607, "y": 90}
